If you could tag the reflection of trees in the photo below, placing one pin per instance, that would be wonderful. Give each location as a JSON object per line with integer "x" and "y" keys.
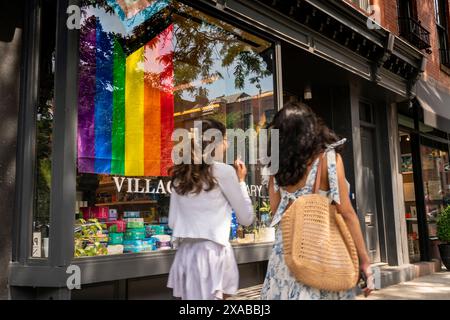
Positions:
{"x": 98, "y": 4}
{"x": 200, "y": 43}
{"x": 44, "y": 127}
{"x": 44, "y": 132}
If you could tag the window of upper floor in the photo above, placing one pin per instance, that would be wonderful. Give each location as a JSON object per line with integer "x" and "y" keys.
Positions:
{"x": 362, "y": 4}
{"x": 442, "y": 26}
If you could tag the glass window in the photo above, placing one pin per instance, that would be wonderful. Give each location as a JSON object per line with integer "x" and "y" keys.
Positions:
{"x": 440, "y": 8}
{"x": 436, "y": 179}
{"x": 366, "y": 112}
{"x": 147, "y": 68}
{"x": 442, "y": 29}
{"x": 409, "y": 197}
{"x": 44, "y": 127}
{"x": 363, "y": 4}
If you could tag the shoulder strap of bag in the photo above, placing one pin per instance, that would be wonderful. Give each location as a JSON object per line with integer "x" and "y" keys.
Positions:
{"x": 319, "y": 173}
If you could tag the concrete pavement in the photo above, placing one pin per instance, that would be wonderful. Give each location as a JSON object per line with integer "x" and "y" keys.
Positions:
{"x": 431, "y": 287}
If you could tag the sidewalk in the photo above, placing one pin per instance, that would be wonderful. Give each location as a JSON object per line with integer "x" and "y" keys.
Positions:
{"x": 431, "y": 287}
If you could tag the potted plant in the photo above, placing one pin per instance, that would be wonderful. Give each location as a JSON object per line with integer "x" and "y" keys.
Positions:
{"x": 443, "y": 233}
{"x": 267, "y": 233}
{"x": 265, "y": 211}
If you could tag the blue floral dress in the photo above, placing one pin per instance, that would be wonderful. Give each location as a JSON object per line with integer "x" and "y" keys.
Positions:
{"x": 279, "y": 283}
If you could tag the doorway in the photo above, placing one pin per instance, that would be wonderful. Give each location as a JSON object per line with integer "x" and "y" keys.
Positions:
{"x": 371, "y": 206}
{"x": 370, "y": 192}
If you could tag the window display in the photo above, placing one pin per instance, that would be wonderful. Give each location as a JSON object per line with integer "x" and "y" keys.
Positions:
{"x": 146, "y": 69}
{"x": 409, "y": 197}
{"x": 436, "y": 179}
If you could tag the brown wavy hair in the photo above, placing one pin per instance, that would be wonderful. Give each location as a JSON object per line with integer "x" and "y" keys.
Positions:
{"x": 302, "y": 137}
{"x": 194, "y": 178}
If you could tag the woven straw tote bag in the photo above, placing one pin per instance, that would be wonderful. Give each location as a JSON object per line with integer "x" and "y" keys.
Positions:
{"x": 318, "y": 247}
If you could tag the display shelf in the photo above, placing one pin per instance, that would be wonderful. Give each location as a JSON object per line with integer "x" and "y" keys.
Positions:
{"x": 126, "y": 202}
{"x": 104, "y": 184}
{"x": 107, "y": 186}
{"x": 411, "y": 219}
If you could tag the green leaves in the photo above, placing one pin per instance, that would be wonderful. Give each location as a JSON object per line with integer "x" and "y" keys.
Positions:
{"x": 87, "y": 242}
{"x": 443, "y": 225}
{"x": 265, "y": 207}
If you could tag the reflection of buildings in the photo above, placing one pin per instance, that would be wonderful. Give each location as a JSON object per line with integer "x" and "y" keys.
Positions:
{"x": 239, "y": 110}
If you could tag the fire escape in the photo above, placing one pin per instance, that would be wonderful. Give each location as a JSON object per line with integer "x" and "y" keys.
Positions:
{"x": 413, "y": 31}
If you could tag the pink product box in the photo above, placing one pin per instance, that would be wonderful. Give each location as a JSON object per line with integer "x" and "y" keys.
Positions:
{"x": 100, "y": 213}
{"x": 116, "y": 226}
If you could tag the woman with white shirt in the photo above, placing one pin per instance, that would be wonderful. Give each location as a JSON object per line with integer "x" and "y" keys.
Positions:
{"x": 203, "y": 197}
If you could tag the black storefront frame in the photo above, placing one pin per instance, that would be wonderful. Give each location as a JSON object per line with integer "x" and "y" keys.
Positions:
{"x": 44, "y": 272}
{"x": 50, "y": 272}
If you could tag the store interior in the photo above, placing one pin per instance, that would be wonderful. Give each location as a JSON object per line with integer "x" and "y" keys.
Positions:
{"x": 436, "y": 185}
{"x": 409, "y": 197}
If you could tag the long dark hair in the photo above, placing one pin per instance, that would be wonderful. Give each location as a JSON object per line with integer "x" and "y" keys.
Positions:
{"x": 302, "y": 137}
{"x": 193, "y": 178}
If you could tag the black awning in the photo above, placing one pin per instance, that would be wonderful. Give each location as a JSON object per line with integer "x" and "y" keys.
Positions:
{"x": 435, "y": 102}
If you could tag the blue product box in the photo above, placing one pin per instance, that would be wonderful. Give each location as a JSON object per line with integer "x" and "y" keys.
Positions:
{"x": 132, "y": 214}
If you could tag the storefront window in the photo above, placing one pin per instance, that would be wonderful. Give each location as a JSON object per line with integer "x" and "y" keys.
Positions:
{"x": 44, "y": 127}
{"x": 436, "y": 180}
{"x": 147, "y": 68}
{"x": 409, "y": 197}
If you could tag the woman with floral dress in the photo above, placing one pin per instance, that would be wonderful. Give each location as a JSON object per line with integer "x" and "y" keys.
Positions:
{"x": 304, "y": 139}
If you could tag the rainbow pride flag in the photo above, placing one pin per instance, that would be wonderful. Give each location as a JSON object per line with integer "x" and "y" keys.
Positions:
{"x": 126, "y": 104}
{"x": 133, "y": 13}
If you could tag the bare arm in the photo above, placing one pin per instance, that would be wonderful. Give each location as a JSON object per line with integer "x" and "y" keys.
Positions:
{"x": 232, "y": 184}
{"x": 350, "y": 217}
{"x": 274, "y": 196}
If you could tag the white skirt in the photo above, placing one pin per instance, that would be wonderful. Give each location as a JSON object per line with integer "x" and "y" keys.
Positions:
{"x": 203, "y": 270}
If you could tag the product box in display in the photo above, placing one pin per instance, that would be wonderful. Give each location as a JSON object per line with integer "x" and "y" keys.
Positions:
{"x": 135, "y": 225}
{"x": 154, "y": 229}
{"x": 151, "y": 242}
{"x": 115, "y": 238}
{"x": 163, "y": 220}
{"x": 167, "y": 230}
{"x": 134, "y": 220}
{"x": 133, "y": 246}
{"x": 102, "y": 236}
{"x": 163, "y": 242}
{"x": 135, "y": 234}
{"x": 131, "y": 214}
{"x": 234, "y": 226}
{"x": 116, "y": 226}
{"x": 115, "y": 249}
{"x": 100, "y": 213}
{"x": 112, "y": 215}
